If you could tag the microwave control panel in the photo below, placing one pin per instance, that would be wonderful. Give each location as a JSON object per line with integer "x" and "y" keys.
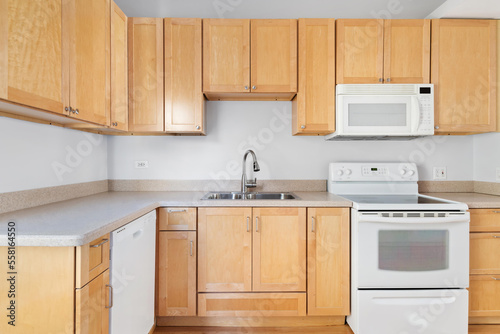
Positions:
{"x": 425, "y": 97}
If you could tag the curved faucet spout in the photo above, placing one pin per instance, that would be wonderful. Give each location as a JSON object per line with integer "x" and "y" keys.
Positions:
{"x": 245, "y": 184}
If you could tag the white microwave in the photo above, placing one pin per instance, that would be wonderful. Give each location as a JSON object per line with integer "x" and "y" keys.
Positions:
{"x": 383, "y": 111}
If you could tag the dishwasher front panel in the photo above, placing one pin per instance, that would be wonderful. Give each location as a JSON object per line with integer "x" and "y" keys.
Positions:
{"x": 132, "y": 276}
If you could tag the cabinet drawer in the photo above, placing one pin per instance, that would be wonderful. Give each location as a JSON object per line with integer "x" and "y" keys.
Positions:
{"x": 485, "y": 220}
{"x": 484, "y": 250}
{"x": 484, "y": 296}
{"x": 251, "y": 304}
{"x": 91, "y": 260}
{"x": 177, "y": 219}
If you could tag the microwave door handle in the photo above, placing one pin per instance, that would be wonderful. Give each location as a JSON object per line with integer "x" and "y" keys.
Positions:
{"x": 415, "y": 112}
{"x": 416, "y": 220}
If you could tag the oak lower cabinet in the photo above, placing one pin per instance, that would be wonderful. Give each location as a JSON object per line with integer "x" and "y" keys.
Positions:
{"x": 328, "y": 249}
{"x": 463, "y": 71}
{"x": 484, "y": 287}
{"x": 58, "y": 289}
{"x": 176, "y": 293}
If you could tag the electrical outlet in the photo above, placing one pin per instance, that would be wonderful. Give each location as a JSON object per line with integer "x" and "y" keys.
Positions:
{"x": 142, "y": 164}
{"x": 439, "y": 173}
{"x": 498, "y": 174}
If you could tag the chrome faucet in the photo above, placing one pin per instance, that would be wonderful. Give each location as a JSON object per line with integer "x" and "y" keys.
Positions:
{"x": 249, "y": 183}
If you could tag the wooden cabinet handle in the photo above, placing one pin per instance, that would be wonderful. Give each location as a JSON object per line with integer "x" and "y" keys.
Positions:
{"x": 248, "y": 224}
{"x": 99, "y": 244}
{"x": 256, "y": 224}
{"x": 191, "y": 248}
{"x": 110, "y": 296}
{"x": 496, "y": 211}
{"x": 496, "y": 236}
{"x": 496, "y": 279}
{"x": 312, "y": 224}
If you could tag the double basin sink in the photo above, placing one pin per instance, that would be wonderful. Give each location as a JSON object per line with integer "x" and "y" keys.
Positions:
{"x": 250, "y": 195}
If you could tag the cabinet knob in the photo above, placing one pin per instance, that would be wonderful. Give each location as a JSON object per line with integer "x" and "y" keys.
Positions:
{"x": 436, "y": 127}
{"x": 254, "y": 87}
{"x": 67, "y": 109}
{"x": 246, "y": 87}
{"x": 388, "y": 79}
{"x": 198, "y": 127}
{"x": 302, "y": 126}
{"x": 76, "y": 111}
{"x": 380, "y": 79}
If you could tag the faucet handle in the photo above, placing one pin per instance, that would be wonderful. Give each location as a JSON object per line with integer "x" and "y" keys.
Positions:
{"x": 251, "y": 183}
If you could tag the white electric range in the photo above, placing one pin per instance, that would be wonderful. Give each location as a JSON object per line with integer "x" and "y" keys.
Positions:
{"x": 409, "y": 252}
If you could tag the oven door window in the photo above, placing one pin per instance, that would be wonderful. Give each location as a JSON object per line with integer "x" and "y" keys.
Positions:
{"x": 413, "y": 250}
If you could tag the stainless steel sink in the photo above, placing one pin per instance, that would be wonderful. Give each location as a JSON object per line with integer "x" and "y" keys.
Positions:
{"x": 251, "y": 195}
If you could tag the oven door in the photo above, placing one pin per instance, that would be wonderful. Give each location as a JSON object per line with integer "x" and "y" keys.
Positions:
{"x": 412, "y": 252}
{"x": 379, "y": 114}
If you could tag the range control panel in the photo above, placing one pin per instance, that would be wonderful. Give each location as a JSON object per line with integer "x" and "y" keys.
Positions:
{"x": 371, "y": 172}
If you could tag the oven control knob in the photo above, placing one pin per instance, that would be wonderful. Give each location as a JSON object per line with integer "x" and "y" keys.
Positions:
{"x": 411, "y": 173}
{"x": 340, "y": 172}
{"x": 348, "y": 172}
{"x": 402, "y": 171}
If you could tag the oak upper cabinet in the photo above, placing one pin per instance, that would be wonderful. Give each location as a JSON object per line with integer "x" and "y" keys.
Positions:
{"x": 224, "y": 249}
{"x": 145, "y": 66}
{"x": 184, "y": 100}
{"x": 34, "y": 59}
{"x": 177, "y": 273}
{"x": 328, "y": 248}
{"x": 463, "y": 72}
{"x": 92, "y": 303}
{"x": 279, "y": 249}
{"x": 119, "y": 69}
{"x": 90, "y": 60}
{"x": 226, "y": 56}
{"x": 378, "y": 51}
{"x": 313, "y": 108}
{"x": 249, "y": 59}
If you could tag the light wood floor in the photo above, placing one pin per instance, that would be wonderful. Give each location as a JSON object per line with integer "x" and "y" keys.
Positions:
{"x": 483, "y": 329}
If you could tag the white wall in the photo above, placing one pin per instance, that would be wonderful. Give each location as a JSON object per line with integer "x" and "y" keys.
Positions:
{"x": 36, "y": 156}
{"x": 233, "y": 127}
{"x": 486, "y": 156}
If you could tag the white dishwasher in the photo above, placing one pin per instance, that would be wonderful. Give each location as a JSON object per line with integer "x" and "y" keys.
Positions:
{"x": 132, "y": 277}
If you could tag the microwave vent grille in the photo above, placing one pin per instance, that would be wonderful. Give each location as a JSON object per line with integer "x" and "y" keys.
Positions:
{"x": 378, "y": 89}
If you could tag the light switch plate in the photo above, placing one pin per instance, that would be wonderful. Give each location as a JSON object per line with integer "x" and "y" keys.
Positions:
{"x": 439, "y": 173}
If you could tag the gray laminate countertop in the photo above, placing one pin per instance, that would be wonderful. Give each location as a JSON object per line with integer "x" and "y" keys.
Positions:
{"x": 78, "y": 221}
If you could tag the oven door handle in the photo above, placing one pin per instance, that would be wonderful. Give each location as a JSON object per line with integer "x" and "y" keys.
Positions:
{"x": 414, "y": 220}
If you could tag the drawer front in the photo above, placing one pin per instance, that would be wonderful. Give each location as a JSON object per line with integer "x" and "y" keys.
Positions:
{"x": 91, "y": 260}
{"x": 484, "y": 296}
{"x": 484, "y": 253}
{"x": 251, "y": 304}
{"x": 485, "y": 220}
{"x": 177, "y": 219}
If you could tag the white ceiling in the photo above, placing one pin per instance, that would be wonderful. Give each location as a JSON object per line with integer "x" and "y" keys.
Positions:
{"x": 482, "y": 9}
{"x": 396, "y": 9}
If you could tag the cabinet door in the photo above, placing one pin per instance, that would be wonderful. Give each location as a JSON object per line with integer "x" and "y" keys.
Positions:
{"x": 34, "y": 67}
{"x": 90, "y": 60}
{"x": 145, "y": 57}
{"x": 279, "y": 249}
{"x": 328, "y": 261}
{"x": 91, "y": 306}
{"x": 91, "y": 260}
{"x": 226, "y": 55}
{"x": 273, "y": 56}
{"x": 224, "y": 249}
{"x": 360, "y": 51}
{"x": 484, "y": 250}
{"x": 119, "y": 70}
{"x": 407, "y": 51}
{"x": 485, "y": 220}
{"x": 184, "y": 101}
{"x": 484, "y": 296}
{"x": 463, "y": 70}
{"x": 313, "y": 108}
{"x": 177, "y": 274}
